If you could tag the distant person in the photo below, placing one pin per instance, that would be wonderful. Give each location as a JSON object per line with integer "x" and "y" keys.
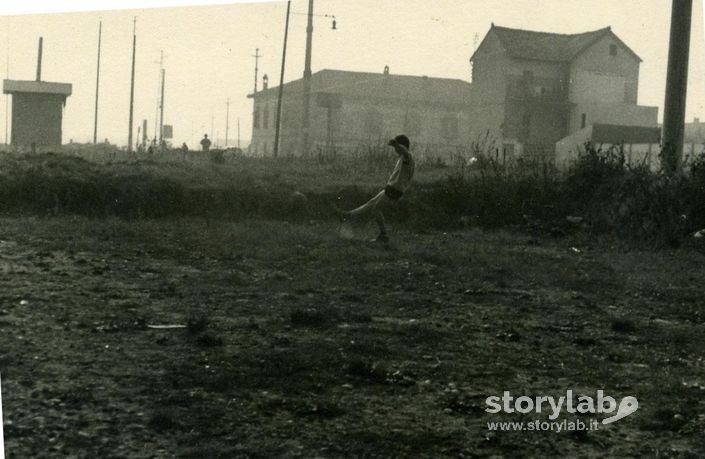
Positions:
{"x": 205, "y": 143}
{"x": 396, "y": 186}
{"x": 184, "y": 147}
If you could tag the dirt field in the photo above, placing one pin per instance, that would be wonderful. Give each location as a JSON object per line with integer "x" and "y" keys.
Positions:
{"x": 301, "y": 344}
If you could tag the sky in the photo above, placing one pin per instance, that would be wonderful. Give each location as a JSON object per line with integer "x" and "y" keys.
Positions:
{"x": 208, "y": 51}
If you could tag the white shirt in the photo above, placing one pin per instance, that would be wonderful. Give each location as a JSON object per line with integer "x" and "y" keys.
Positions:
{"x": 403, "y": 170}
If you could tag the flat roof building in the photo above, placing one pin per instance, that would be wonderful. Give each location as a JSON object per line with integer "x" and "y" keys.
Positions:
{"x": 37, "y": 110}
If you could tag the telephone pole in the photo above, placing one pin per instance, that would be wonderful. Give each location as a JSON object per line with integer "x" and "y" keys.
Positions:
{"x": 39, "y": 59}
{"x": 159, "y": 102}
{"x": 277, "y": 127}
{"x": 257, "y": 55}
{"x": 161, "y": 111}
{"x": 676, "y": 85}
{"x": 132, "y": 82}
{"x": 307, "y": 82}
{"x": 97, "y": 85}
{"x": 7, "y": 96}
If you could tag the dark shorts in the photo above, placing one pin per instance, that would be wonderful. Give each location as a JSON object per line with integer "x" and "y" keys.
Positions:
{"x": 392, "y": 193}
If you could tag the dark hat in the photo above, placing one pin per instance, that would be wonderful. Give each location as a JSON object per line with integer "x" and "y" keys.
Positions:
{"x": 403, "y": 140}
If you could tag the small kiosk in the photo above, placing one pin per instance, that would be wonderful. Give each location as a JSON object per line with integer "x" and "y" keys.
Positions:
{"x": 37, "y": 109}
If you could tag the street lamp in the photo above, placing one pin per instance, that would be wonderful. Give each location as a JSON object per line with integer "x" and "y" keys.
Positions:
{"x": 334, "y": 23}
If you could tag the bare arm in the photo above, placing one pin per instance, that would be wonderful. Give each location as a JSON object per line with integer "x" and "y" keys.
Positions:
{"x": 400, "y": 149}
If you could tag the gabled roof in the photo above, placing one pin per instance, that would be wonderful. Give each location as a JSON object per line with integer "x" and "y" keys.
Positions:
{"x": 544, "y": 46}
{"x": 381, "y": 86}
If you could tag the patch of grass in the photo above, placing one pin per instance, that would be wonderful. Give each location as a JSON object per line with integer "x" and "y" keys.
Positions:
{"x": 164, "y": 419}
{"x": 623, "y": 325}
{"x": 196, "y": 323}
{"x": 209, "y": 340}
{"x": 367, "y": 371}
{"x": 608, "y": 194}
{"x": 311, "y": 317}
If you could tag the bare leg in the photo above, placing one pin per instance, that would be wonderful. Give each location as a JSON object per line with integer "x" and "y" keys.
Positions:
{"x": 369, "y": 206}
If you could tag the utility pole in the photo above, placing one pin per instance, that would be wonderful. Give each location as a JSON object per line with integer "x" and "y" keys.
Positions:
{"x": 676, "y": 86}
{"x": 161, "y": 111}
{"x": 132, "y": 82}
{"x": 97, "y": 85}
{"x": 307, "y": 82}
{"x": 227, "y": 121}
{"x": 144, "y": 133}
{"x": 156, "y": 110}
{"x": 39, "y": 59}
{"x": 7, "y": 76}
{"x": 257, "y": 55}
{"x": 277, "y": 127}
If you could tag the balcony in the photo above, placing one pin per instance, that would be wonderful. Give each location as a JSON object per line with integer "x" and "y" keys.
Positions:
{"x": 537, "y": 90}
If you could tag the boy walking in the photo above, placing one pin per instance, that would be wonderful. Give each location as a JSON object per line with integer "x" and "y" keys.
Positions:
{"x": 397, "y": 184}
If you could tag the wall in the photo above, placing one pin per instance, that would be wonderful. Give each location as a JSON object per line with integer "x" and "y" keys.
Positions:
{"x": 597, "y": 87}
{"x": 488, "y": 91}
{"x": 595, "y": 66}
{"x": 361, "y": 122}
{"x": 567, "y": 150}
{"x": 532, "y": 122}
{"x": 613, "y": 113}
{"x": 36, "y": 118}
{"x": 262, "y": 143}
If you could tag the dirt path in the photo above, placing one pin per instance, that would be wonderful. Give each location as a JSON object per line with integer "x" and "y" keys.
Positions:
{"x": 300, "y": 344}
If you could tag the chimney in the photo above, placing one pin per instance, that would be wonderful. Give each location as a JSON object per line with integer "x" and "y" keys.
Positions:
{"x": 39, "y": 60}
{"x": 265, "y": 82}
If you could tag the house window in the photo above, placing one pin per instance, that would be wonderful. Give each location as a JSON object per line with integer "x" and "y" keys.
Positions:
{"x": 256, "y": 116}
{"x": 583, "y": 121}
{"x": 266, "y": 117}
{"x": 613, "y": 50}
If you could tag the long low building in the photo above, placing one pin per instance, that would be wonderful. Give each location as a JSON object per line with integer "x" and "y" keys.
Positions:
{"x": 355, "y": 110}
{"x": 640, "y": 144}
